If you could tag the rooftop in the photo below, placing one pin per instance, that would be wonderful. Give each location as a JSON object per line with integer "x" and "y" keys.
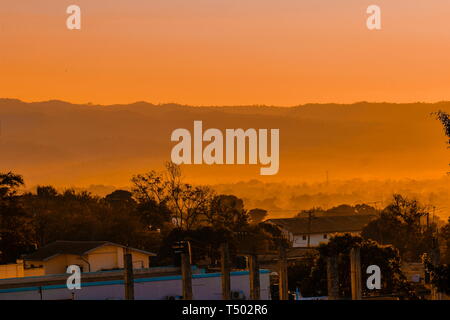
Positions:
{"x": 78, "y": 248}
{"x": 324, "y": 224}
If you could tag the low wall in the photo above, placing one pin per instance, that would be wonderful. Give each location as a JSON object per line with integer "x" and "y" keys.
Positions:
{"x": 16, "y": 270}
{"x": 205, "y": 286}
{"x": 13, "y": 270}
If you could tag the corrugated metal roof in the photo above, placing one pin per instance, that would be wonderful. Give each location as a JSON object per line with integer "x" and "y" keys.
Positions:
{"x": 324, "y": 224}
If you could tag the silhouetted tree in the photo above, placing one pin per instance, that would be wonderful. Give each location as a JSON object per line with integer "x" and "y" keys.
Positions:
{"x": 227, "y": 212}
{"x": 399, "y": 224}
{"x": 310, "y": 275}
{"x": 257, "y": 215}
{"x": 44, "y": 209}
{"x": 445, "y": 119}
{"x": 15, "y": 230}
{"x": 72, "y": 215}
{"x": 156, "y": 216}
{"x": 121, "y": 198}
{"x": 439, "y": 274}
{"x": 341, "y": 210}
{"x": 444, "y": 234}
{"x": 204, "y": 243}
{"x": 187, "y": 204}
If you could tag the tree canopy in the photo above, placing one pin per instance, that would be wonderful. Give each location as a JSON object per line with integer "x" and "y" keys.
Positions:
{"x": 310, "y": 273}
{"x": 400, "y": 224}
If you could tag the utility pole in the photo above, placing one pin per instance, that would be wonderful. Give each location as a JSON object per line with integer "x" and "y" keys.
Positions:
{"x": 254, "y": 277}
{"x": 283, "y": 274}
{"x": 225, "y": 268}
{"x": 309, "y": 228}
{"x": 333, "y": 278}
{"x": 41, "y": 293}
{"x": 129, "y": 277}
{"x": 435, "y": 260}
{"x": 355, "y": 273}
{"x": 186, "y": 273}
{"x": 184, "y": 249}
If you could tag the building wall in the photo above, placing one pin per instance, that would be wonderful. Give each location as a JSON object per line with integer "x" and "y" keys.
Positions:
{"x": 13, "y": 270}
{"x": 103, "y": 258}
{"x": 205, "y": 287}
{"x": 17, "y": 270}
{"x": 59, "y": 264}
{"x": 140, "y": 260}
{"x": 34, "y": 272}
{"x": 301, "y": 241}
{"x": 111, "y": 257}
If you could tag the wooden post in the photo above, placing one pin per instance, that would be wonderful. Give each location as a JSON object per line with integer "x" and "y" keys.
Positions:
{"x": 333, "y": 278}
{"x": 355, "y": 272}
{"x": 129, "y": 278}
{"x": 309, "y": 228}
{"x": 435, "y": 260}
{"x": 225, "y": 268}
{"x": 186, "y": 274}
{"x": 283, "y": 274}
{"x": 254, "y": 277}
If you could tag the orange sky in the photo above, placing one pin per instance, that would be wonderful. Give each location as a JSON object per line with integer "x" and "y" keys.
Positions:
{"x": 202, "y": 52}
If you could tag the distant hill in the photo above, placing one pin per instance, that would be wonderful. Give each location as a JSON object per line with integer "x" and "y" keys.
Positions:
{"x": 74, "y": 145}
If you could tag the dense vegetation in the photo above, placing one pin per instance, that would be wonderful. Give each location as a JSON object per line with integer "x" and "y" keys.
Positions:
{"x": 310, "y": 275}
{"x": 160, "y": 210}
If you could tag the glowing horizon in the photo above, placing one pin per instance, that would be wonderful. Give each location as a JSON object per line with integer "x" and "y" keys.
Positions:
{"x": 225, "y": 52}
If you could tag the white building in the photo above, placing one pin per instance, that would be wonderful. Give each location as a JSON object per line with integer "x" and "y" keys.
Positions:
{"x": 317, "y": 230}
{"x": 90, "y": 256}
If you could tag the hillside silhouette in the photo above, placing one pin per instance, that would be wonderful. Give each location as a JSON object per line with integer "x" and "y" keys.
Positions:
{"x": 60, "y": 143}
